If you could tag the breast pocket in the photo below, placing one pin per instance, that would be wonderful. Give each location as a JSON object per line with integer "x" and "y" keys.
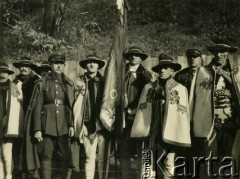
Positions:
{"x": 47, "y": 94}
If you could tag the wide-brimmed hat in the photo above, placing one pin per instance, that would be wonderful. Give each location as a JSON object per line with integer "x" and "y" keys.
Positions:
{"x": 5, "y": 68}
{"x": 165, "y": 60}
{"x": 221, "y": 47}
{"x": 193, "y": 53}
{"x": 57, "y": 58}
{"x": 44, "y": 65}
{"x": 24, "y": 61}
{"x": 92, "y": 58}
{"x": 136, "y": 51}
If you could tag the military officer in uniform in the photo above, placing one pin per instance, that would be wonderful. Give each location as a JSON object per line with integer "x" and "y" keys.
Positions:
{"x": 52, "y": 116}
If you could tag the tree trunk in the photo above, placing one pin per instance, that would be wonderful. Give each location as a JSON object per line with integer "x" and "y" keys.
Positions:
{"x": 53, "y": 16}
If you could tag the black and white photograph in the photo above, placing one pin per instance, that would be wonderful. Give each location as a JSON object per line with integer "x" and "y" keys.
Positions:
{"x": 119, "y": 89}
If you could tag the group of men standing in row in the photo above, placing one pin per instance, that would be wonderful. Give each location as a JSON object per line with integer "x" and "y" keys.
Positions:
{"x": 194, "y": 110}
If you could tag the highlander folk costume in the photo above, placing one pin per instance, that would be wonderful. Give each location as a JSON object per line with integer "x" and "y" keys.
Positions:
{"x": 11, "y": 119}
{"x": 136, "y": 78}
{"x": 27, "y": 79}
{"x": 166, "y": 102}
{"x": 89, "y": 128}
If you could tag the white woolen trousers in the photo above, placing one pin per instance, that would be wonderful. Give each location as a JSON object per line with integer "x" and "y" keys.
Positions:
{"x": 5, "y": 160}
{"x": 90, "y": 150}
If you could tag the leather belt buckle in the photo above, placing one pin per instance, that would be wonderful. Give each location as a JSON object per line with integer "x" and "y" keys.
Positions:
{"x": 58, "y": 101}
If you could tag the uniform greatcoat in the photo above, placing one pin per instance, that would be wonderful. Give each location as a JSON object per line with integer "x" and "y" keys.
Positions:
{"x": 29, "y": 156}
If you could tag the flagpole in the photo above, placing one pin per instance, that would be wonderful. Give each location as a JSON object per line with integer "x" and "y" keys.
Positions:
{"x": 111, "y": 113}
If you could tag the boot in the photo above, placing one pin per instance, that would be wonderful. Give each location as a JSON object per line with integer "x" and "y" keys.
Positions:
{"x": 125, "y": 167}
{"x": 46, "y": 170}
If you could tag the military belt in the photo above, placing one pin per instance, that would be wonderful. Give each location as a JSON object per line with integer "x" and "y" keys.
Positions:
{"x": 56, "y": 101}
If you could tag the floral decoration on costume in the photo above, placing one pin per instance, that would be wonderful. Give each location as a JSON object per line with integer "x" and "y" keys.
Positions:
{"x": 14, "y": 91}
{"x": 206, "y": 84}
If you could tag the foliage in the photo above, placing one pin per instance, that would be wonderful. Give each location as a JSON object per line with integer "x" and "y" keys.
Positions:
{"x": 88, "y": 26}
{"x": 215, "y": 19}
{"x": 29, "y": 42}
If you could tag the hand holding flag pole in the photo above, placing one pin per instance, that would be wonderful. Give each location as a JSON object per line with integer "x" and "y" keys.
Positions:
{"x": 111, "y": 114}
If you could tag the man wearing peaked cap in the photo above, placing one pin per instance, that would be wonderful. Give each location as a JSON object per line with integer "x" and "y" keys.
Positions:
{"x": 90, "y": 130}
{"x": 185, "y": 76}
{"x": 26, "y": 79}
{"x": 56, "y": 58}
{"x": 213, "y": 106}
{"x": 136, "y": 78}
{"x": 11, "y": 119}
{"x": 166, "y": 101}
{"x": 50, "y": 120}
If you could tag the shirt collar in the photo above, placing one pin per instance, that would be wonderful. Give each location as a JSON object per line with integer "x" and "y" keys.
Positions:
{"x": 133, "y": 68}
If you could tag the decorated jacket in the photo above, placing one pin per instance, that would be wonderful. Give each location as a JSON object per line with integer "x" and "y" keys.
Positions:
{"x": 172, "y": 121}
{"x": 13, "y": 120}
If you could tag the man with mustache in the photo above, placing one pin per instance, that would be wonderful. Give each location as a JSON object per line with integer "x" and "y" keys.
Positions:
{"x": 11, "y": 116}
{"x": 27, "y": 78}
{"x": 216, "y": 107}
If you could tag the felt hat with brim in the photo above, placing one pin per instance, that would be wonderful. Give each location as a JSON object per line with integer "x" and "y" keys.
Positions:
{"x": 221, "y": 48}
{"x": 92, "y": 58}
{"x": 57, "y": 58}
{"x": 166, "y": 61}
{"x": 193, "y": 53}
{"x": 5, "y": 68}
{"x": 135, "y": 51}
{"x": 24, "y": 61}
{"x": 43, "y": 66}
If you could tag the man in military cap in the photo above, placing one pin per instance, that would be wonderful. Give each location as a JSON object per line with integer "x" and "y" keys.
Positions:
{"x": 26, "y": 79}
{"x": 185, "y": 76}
{"x": 91, "y": 132}
{"x": 52, "y": 120}
{"x": 136, "y": 78}
{"x": 11, "y": 119}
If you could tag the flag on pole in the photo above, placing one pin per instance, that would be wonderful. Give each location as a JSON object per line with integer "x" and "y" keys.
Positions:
{"x": 111, "y": 114}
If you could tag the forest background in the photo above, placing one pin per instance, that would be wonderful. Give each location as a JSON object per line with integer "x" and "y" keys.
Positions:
{"x": 37, "y": 28}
